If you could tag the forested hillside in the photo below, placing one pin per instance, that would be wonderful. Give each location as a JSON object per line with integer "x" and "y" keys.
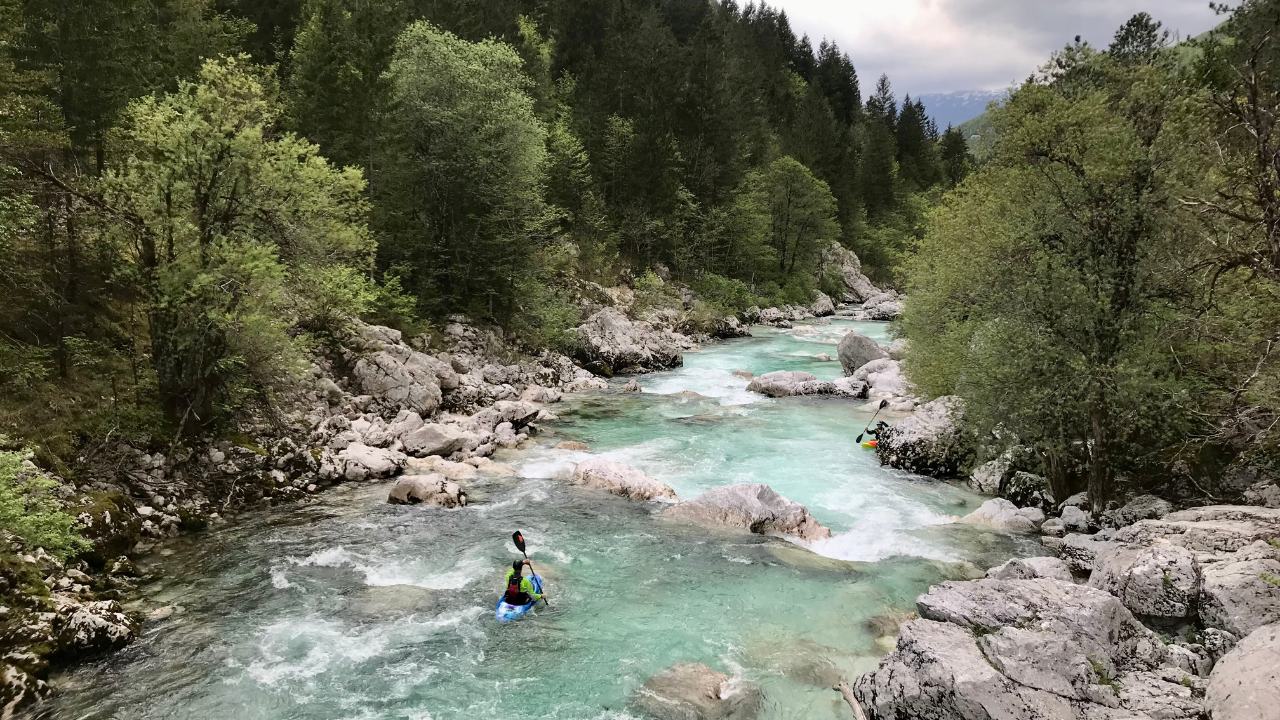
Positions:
{"x": 195, "y": 192}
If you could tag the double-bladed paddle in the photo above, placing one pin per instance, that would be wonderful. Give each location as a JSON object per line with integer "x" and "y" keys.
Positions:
{"x": 883, "y": 404}
{"x": 519, "y": 541}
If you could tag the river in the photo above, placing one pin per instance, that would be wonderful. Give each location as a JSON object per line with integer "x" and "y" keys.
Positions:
{"x": 349, "y": 608}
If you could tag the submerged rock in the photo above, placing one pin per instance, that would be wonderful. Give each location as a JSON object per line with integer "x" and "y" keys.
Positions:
{"x": 693, "y": 691}
{"x": 620, "y": 479}
{"x": 752, "y": 506}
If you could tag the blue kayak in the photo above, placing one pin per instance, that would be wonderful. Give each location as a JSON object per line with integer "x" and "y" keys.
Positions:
{"x": 507, "y": 611}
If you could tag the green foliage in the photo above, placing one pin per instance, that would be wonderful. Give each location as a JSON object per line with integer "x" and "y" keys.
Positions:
{"x": 230, "y": 227}
{"x": 1270, "y": 579}
{"x": 27, "y": 510}
{"x": 1043, "y": 272}
{"x": 459, "y": 200}
{"x": 725, "y": 293}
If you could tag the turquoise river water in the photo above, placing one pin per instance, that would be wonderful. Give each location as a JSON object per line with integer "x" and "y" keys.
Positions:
{"x": 347, "y": 608}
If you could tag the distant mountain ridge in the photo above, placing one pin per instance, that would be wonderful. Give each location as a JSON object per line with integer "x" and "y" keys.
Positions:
{"x": 954, "y": 108}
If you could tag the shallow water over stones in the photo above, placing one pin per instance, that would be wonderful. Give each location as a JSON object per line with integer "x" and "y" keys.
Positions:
{"x": 349, "y": 608}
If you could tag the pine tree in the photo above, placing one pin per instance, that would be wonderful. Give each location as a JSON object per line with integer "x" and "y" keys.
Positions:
{"x": 882, "y": 106}
{"x": 836, "y": 78}
{"x": 954, "y": 150}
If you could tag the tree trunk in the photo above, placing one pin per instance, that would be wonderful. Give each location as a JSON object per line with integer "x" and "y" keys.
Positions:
{"x": 1099, "y": 465}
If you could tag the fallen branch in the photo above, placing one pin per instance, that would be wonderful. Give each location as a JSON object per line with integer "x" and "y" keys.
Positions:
{"x": 844, "y": 689}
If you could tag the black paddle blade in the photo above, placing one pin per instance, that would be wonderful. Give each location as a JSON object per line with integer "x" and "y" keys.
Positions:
{"x": 858, "y": 439}
{"x": 884, "y": 404}
{"x": 519, "y": 540}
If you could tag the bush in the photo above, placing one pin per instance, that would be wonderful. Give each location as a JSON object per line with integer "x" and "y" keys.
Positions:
{"x": 26, "y": 510}
{"x": 725, "y": 293}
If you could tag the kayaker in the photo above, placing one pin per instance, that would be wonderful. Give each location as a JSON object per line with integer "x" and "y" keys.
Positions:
{"x": 519, "y": 588}
{"x": 879, "y": 428}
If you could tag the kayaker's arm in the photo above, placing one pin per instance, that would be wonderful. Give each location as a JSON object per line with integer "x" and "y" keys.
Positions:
{"x": 527, "y": 586}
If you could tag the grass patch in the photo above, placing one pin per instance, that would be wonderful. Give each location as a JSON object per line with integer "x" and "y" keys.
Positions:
{"x": 1104, "y": 677}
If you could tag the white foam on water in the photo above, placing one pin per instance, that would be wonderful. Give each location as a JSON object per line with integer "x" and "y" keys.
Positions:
{"x": 529, "y": 490}
{"x": 381, "y": 572}
{"x": 548, "y": 463}
{"x": 710, "y": 382}
{"x": 278, "y": 579}
{"x": 301, "y": 650}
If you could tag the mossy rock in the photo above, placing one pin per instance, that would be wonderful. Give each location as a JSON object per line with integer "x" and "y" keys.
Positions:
{"x": 110, "y": 521}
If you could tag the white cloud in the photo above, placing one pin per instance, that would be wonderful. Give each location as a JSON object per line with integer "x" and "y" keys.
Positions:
{"x": 944, "y": 45}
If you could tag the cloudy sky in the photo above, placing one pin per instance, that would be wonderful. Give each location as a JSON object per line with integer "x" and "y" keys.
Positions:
{"x": 929, "y": 46}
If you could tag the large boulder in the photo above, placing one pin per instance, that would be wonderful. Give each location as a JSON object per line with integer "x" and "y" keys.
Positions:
{"x": 843, "y": 261}
{"x": 1245, "y": 684}
{"x": 612, "y": 342}
{"x": 620, "y": 479}
{"x": 823, "y": 306}
{"x": 1162, "y": 581}
{"x": 775, "y": 317}
{"x": 856, "y": 350}
{"x": 785, "y": 383}
{"x": 434, "y": 439}
{"x": 693, "y": 691}
{"x": 1016, "y": 649}
{"x": 80, "y": 627}
{"x": 753, "y": 506}
{"x": 884, "y": 380}
{"x": 1080, "y": 551}
{"x": 1266, "y": 493}
{"x": 433, "y": 489}
{"x": 729, "y": 327}
{"x": 1242, "y": 591}
{"x": 394, "y": 375}
{"x": 358, "y": 462}
{"x": 516, "y": 412}
{"x": 989, "y": 476}
{"x": 884, "y": 311}
{"x": 1001, "y": 514}
{"x": 929, "y": 442}
{"x": 1026, "y": 489}
{"x": 1143, "y": 507}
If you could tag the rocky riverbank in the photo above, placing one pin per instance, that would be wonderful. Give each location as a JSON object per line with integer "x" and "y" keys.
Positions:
{"x": 1139, "y": 611}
